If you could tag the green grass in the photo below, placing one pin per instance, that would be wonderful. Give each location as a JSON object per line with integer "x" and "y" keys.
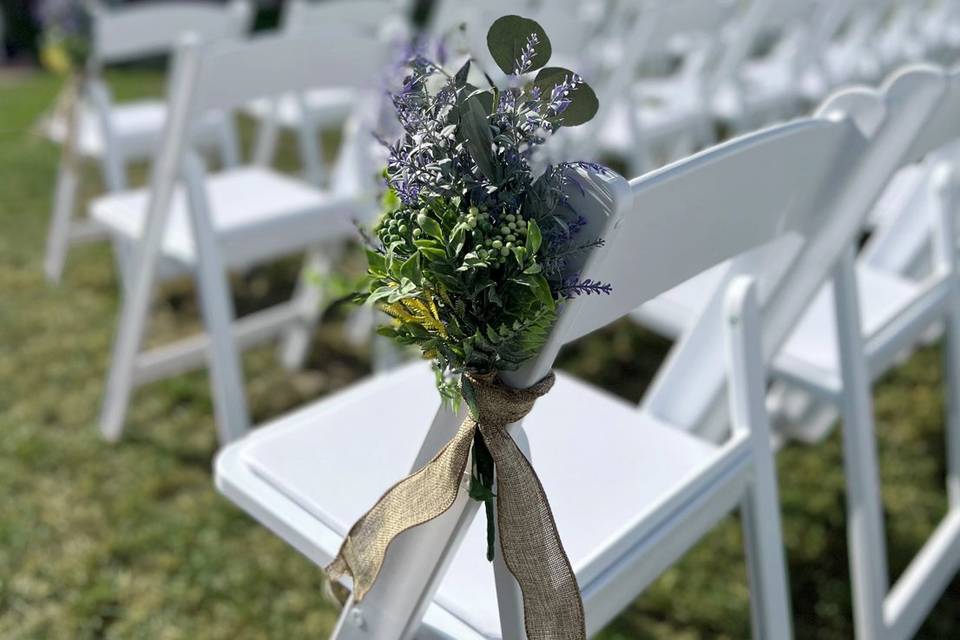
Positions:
{"x": 132, "y": 540}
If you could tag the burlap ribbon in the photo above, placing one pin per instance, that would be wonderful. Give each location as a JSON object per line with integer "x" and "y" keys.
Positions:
{"x": 528, "y": 535}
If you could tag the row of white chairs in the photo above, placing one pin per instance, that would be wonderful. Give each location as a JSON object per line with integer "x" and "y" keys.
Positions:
{"x": 817, "y": 45}
{"x": 254, "y": 201}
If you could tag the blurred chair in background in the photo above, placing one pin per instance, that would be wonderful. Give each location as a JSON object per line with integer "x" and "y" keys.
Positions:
{"x": 205, "y": 224}
{"x": 116, "y": 134}
{"x": 310, "y": 114}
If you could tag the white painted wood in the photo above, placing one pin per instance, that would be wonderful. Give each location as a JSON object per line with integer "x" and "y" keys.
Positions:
{"x": 135, "y": 308}
{"x": 126, "y": 33}
{"x": 58, "y": 235}
{"x": 763, "y": 537}
{"x": 229, "y": 399}
{"x": 232, "y": 219}
{"x": 308, "y": 297}
{"x": 310, "y": 113}
{"x": 947, "y": 193}
{"x": 191, "y": 353}
{"x": 866, "y": 546}
{"x": 117, "y": 134}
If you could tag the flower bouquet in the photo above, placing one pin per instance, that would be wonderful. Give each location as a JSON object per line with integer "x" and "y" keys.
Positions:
{"x": 471, "y": 260}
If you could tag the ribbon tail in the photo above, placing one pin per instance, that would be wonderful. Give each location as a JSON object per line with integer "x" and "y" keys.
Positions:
{"x": 426, "y": 494}
{"x": 531, "y": 547}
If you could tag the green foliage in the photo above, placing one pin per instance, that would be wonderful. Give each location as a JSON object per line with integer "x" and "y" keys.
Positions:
{"x": 508, "y": 38}
{"x": 469, "y": 257}
{"x": 468, "y": 292}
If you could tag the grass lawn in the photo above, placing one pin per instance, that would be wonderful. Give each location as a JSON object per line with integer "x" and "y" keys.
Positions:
{"x": 132, "y": 540}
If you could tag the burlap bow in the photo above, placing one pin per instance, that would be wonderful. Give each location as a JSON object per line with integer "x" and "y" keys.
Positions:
{"x": 528, "y": 534}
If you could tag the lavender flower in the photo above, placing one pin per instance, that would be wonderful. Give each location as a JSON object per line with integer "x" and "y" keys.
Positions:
{"x": 525, "y": 61}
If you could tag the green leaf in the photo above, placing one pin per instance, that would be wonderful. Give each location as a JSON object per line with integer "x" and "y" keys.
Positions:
{"x": 376, "y": 263}
{"x": 458, "y": 238}
{"x": 534, "y": 238}
{"x": 474, "y": 133}
{"x": 411, "y": 268}
{"x": 433, "y": 254}
{"x": 431, "y": 227}
{"x": 583, "y": 101}
{"x": 507, "y": 38}
{"x": 541, "y": 288}
{"x": 487, "y": 98}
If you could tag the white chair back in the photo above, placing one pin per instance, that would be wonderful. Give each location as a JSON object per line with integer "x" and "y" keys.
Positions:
{"x": 892, "y": 118}
{"x": 222, "y": 77}
{"x": 140, "y": 31}
{"x": 374, "y": 17}
{"x": 228, "y": 75}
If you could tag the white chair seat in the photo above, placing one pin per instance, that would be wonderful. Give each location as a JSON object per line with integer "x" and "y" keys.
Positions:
{"x": 327, "y": 107}
{"x": 898, "y": 195}
{"x": 308, "y": 465}
{"x": 673, "y": 311}
{"x": 811, "y": 352}
{"x": 138, "y": 126}
{"x": 243, "y": 202}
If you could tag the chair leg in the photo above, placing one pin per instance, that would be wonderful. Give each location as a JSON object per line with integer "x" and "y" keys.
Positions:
{"x": 58, "y": 236}
{"x": 265, "y": 144}
{"x": 760, "y": 506}
{"x": 130, "y": 332}
{"x": 952, "y": 391}
{"x": 295, "y": 344}
{"x": 867, "y": 547}
{"x": 229, "y": 144}
{"x": 763, "y": 546}
{"x": 114, "y": 174}
{"x": 226, "y": 372}
{"x": 314, "y": 167}
{"x": 123, "y": 256}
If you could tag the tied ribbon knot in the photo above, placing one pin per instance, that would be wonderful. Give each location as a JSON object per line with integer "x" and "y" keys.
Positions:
{"x": 528, "y": 536}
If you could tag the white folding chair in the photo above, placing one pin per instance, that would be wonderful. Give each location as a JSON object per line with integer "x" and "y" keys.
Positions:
{"x": 749, "y": 91}
{"x": 811, "y": 179}
{"x": 649, "y": 118}
{"x": 234, "y": 218}
{"x": 309, "y": 114}
{"x": 884, "y": 610}
{"x": 892, "y": 288}
{"x": 115, "y": 135}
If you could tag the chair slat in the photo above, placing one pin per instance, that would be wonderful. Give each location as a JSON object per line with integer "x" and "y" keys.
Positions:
{"x": 673, "y": 230}
{"x": 155, "y": 28}
{"x": 233, "y": 74}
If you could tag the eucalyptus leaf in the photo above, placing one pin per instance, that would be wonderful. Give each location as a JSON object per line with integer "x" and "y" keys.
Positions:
{"x": 509, "y": 35}
{"x": 583, "y": 101}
